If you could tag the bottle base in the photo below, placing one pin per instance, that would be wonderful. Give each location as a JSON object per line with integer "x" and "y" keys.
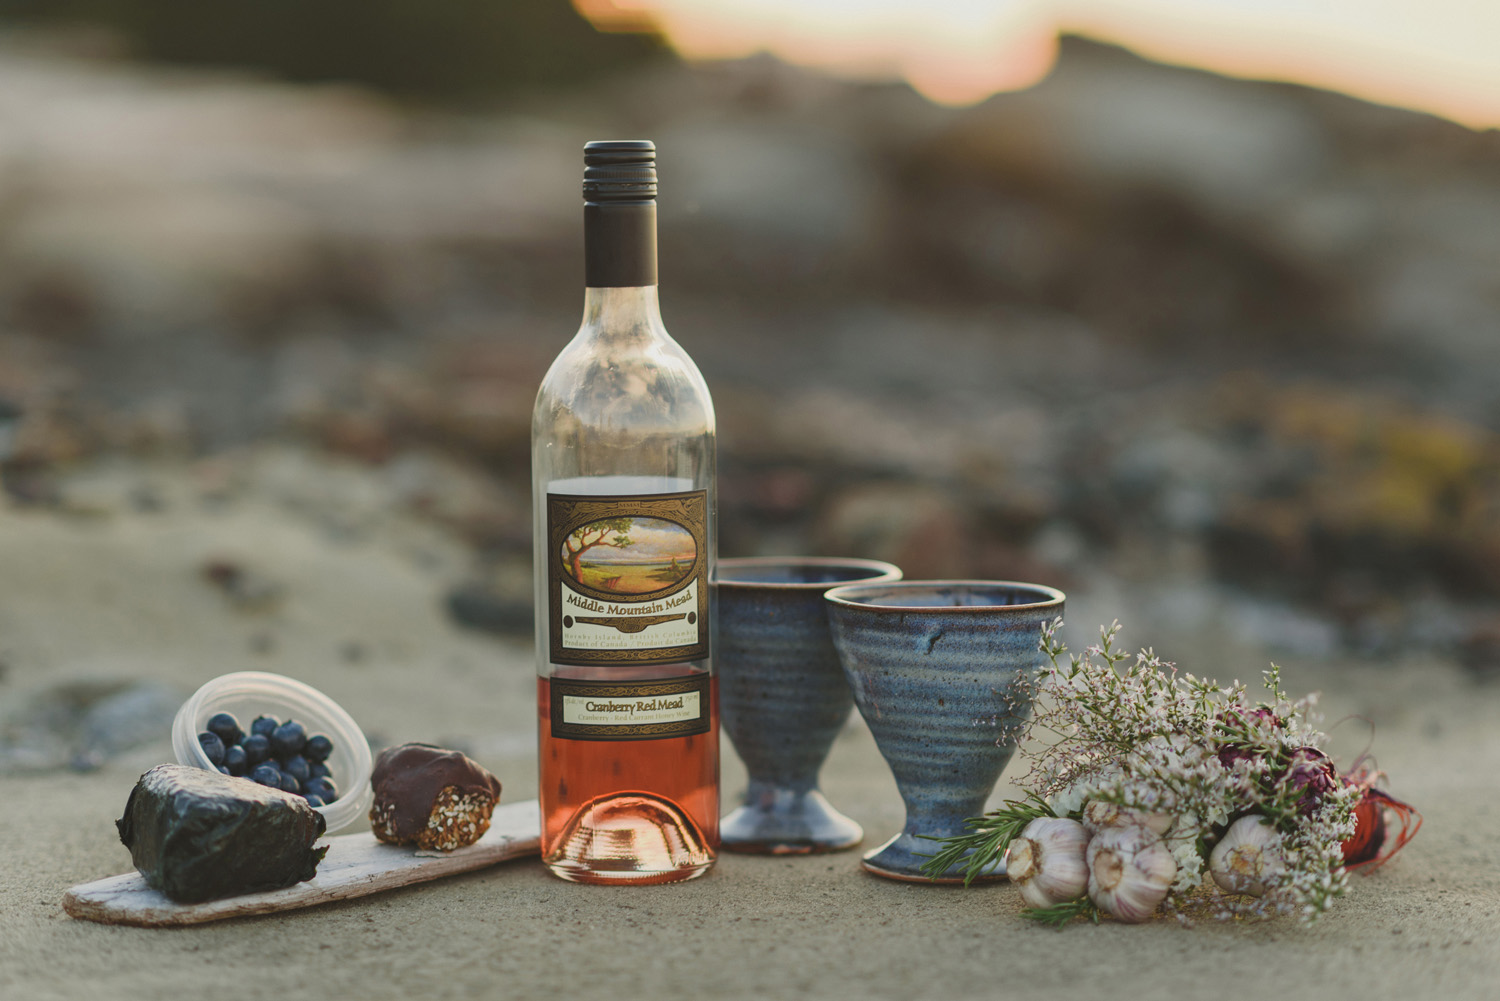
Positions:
{"x": 630, "y": 837}
{"x": 573, "y": 874}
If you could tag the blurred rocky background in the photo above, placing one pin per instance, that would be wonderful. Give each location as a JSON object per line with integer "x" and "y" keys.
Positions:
{"x": 1218, "y": 357}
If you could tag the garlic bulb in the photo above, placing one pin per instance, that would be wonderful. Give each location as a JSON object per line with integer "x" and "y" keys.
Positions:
{"x": 1247, "y": 856}
{"x": 1047, "y": 861}
{"x": 1098, "y": 815}
{"x": 1130, "y": 871}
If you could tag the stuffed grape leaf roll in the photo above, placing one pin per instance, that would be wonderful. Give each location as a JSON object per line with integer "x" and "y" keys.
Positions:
{"x": 197, "y": 835}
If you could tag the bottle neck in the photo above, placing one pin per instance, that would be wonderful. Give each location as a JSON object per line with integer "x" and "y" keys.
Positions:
{"x": 619, "y": 244}
{"x": 618, "y": 311}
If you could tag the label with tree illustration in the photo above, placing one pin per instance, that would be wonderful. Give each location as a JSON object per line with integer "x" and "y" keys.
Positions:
{"x": 628, "y": 581}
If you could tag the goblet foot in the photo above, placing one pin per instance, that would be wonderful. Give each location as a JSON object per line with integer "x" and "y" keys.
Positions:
{"x": 783, "y": 822}
{"x": 903, "y": 856}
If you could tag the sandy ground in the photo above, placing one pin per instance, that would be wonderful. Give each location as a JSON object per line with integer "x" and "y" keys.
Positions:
{"x": 113, "y": 593}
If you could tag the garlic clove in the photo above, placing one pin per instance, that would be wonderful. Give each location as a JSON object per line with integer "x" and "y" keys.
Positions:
{"x": 1130, "y": 871}
{"x": 1247, "y": 857}
{"x": 1046, "y": 862}
{"x": 1099, "y": 814}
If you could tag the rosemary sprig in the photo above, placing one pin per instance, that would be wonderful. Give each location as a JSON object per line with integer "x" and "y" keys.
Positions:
{"x": 987, "y": 840}
{"x": 1060, "y": 914}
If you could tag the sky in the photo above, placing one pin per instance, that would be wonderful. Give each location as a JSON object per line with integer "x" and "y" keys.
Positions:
{"x": 1441, "y": 56}
{"x": 651, "y": 540}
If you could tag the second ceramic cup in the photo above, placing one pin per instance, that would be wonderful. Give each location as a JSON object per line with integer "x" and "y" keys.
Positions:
{"x": 940, "y": 670}
{"x": 783, "y": 696}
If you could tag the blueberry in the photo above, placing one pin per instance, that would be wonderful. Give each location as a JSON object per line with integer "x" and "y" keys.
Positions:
{"x": 267, "y": 775}
{"x": 296, "y": 766}
{"x": 257, "y": 749}
{"x": 318, "y": 770}
{"x": 315, "y": 801}
{"x": 226, "y": 726}
{"x": 235, "y": 759}
{"x": 288, "y": 739}
{"x": 318, "y": 748}
{"x": 323, "y": 788}
{"x": 289, "y": 784}
{"x": 265, "y": 725}
{"x": 225, "y": 770}
{"x": 212, "y": 746}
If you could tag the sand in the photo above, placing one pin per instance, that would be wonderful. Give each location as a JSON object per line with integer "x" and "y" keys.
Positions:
{"x": 115, "y": 593}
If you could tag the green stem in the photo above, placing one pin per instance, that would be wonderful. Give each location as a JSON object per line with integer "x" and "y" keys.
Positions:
{"x": 985, "y": 844}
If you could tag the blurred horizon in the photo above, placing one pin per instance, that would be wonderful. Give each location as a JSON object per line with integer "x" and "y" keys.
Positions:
{"x": 1436, "y": 56}
{"x": 1429, "y": 56}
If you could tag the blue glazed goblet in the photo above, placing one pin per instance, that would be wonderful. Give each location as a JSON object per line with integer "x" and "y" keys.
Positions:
{"x": 940, "y": 671}
{"x": 783, "y": 697}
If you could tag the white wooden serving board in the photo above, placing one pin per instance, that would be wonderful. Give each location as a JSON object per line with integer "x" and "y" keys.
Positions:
{"x": 356, "y": 865}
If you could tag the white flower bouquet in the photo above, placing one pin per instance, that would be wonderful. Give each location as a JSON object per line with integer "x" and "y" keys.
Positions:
{"x": 1155, "y": 791}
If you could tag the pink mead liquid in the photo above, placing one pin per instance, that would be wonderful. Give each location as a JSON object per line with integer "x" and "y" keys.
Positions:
{"x": 629, "y": 811}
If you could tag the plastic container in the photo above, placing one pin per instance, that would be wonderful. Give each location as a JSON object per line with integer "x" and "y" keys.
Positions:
{"x": 248, "y": 694}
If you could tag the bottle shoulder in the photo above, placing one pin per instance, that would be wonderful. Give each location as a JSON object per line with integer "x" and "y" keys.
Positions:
{"x": 641, "y": 379}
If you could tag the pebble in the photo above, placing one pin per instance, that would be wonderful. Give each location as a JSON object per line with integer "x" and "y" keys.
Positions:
{"x": 83, "y": 725}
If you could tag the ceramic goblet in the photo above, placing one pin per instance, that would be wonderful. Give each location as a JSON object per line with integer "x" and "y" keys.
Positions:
{"x": 783, "y": 697}
{"x": 940, "y": 671}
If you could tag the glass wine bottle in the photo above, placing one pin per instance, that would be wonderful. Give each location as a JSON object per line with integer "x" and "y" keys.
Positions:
{"x": 623, "y": 515}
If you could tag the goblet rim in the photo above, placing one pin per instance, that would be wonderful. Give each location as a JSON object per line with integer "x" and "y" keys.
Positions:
{"x": 880, "y": 571}
{"x": 851, "y": 595}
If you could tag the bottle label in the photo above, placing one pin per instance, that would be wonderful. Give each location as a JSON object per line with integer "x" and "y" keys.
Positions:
{"x": 630, "y": 710}
{"x": 628, "y": 581}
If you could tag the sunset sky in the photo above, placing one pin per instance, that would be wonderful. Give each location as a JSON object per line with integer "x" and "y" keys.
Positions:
{"x": 1436, "y": 55}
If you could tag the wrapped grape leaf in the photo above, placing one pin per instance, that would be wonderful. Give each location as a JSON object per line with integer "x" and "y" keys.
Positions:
{"x": 197, "y": 835}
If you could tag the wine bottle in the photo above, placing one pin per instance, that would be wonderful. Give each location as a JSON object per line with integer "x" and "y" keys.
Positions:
{"x": 623, "y": 513}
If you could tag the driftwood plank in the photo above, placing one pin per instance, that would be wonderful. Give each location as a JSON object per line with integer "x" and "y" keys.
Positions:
{"x": 356, "y": 865}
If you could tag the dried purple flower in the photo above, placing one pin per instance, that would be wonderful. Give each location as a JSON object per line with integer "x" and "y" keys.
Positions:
{"x": 1312, "y": 772}
{"x": 1229, "y": 754}
{"x": 1241, "y": 717}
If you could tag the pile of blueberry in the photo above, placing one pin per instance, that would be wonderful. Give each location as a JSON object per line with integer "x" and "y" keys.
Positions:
{"x": 275, "y": 754}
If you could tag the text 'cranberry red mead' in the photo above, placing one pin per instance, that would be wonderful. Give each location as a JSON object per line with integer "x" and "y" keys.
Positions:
{"x": 623, "y": 510}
